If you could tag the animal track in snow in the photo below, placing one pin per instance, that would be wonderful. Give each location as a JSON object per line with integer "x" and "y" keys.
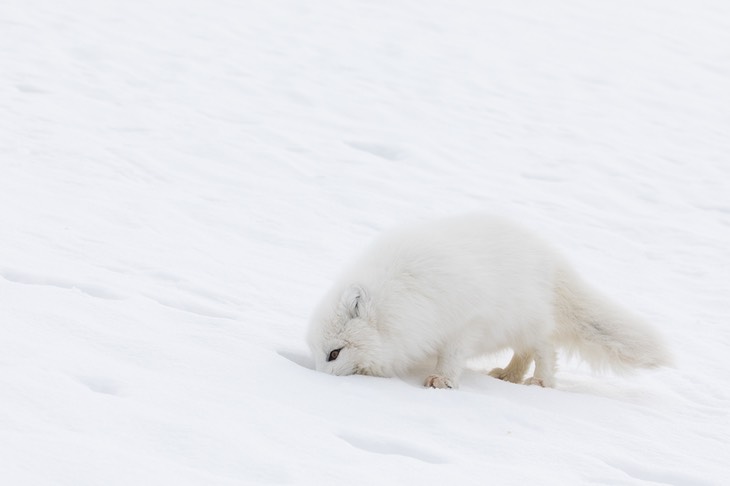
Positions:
{"x": 658, "y": 476}
{"x": 383, "y": 151}
{"x": 29, "y": 88}
{"x": 29, "y": 279}
{"x": 380, "y": 445}
{"x": 101, "y": 385}
{"x": 190, "y": 307}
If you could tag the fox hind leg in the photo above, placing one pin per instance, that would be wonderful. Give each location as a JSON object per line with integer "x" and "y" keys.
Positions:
{"x": 544, "y": 374}
{"x": 515, "y": 370}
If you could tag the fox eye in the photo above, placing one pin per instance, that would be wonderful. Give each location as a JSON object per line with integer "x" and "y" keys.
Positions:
{"x": 334, "y": 354}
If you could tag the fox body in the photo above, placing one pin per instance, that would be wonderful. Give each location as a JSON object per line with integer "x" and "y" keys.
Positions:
{"x": 450, "y": 290}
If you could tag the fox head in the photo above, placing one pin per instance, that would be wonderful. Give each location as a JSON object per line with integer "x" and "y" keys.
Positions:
{"x": 343, "y": 334}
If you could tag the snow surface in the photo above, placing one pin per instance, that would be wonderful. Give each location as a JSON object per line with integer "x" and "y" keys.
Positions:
{"x": 181, "y": 180}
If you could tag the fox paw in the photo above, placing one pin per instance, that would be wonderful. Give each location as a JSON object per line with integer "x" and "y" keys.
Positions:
{"x": 534, "y": 381}
{"x": 505, "y": 375}
{"x": 543, "y": 382}
{"x": 436, "y": 381}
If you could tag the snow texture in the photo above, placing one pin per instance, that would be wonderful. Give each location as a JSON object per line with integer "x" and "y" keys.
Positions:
{"x": 182, "y": 180}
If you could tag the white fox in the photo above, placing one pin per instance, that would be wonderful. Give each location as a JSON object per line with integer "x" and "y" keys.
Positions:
{"x": 453, "y": 289}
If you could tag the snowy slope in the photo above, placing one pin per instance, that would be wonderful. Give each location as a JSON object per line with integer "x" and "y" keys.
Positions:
{"x": 181, "y": 180}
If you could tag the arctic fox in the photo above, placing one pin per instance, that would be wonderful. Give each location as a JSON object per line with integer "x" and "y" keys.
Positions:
{"x": 453, "y": 289}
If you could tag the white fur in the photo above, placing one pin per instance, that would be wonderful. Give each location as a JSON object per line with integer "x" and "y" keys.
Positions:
{"x": 457, "y": 288}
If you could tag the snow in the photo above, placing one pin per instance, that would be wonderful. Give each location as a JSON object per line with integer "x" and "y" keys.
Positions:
{"x": 181, "y": 181}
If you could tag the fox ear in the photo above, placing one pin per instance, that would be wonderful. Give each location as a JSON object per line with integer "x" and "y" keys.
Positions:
{"x": 354, "y": 300}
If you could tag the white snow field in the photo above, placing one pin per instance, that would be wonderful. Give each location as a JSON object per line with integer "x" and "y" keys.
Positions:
{"x": 182, "y": 179}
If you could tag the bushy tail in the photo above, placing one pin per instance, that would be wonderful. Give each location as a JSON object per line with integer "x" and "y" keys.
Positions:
{"x": 601, "y": 332}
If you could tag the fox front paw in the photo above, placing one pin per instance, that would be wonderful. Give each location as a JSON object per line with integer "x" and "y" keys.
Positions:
{"x": 437, "y": 381}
